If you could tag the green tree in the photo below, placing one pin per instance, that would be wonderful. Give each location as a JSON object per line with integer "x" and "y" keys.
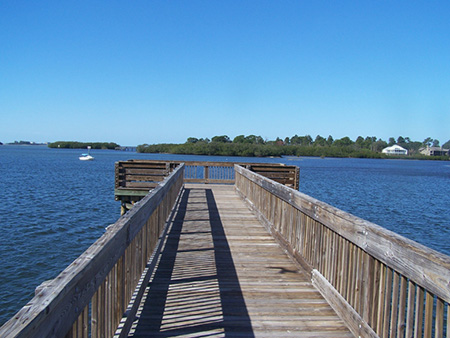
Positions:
{"x": 359, "y": 143}
{"x": 446, "y": 144}
{"x": 330, "y": 140}
{"x": 295, "y": 139}
{"x": 343, "y": 142}
{"x": 239, "y": 139}
{"x": 192, "y": 140}
{"x": 428, "y": 142}
{"x": 320, "y": 141}
{"x": 221, "y": 139}
{"x": 391, "y": 141}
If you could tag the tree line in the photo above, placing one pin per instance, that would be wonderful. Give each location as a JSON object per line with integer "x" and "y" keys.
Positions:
{"x": 256, "y": 146}
{"x": 83, "y": 145}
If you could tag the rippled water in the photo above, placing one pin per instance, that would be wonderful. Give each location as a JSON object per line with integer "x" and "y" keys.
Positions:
{"x": 55, "y": 206}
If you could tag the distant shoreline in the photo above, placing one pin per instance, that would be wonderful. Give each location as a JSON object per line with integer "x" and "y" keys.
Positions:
{"x": 271, "y": 150}
{"x": 23, "y": 144}
{"x": 83, "y": 145}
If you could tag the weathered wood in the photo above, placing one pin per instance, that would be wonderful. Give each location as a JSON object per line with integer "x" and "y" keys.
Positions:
{"x": 375, "y": 258}
{"x": 410, "y": 309}
{"x": 402, "y": 307}
{"x": 395, "y": 308}
{"x": 145, "y": 174}
{"x": 439, "y": 325}
{"x": 428, "y": 315}
{"x": 401, "y": 254}
{"x": 227, "y": 274}
{"x": 57, "y": 306}
{"x": 221, "y": 273}
{"x": 352, "y": 318}
{"x": 418, "y": 318}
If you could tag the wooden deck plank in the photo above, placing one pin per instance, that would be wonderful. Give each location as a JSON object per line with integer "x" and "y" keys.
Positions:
{"x": 221, "y": 274}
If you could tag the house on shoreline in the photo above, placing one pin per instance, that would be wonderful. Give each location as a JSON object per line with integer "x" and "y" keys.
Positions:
{"x": 434, "y": 151}
{"x": 395, "y": 150}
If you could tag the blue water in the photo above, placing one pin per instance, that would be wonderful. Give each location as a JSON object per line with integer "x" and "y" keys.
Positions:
{"x": 54, "y": 206}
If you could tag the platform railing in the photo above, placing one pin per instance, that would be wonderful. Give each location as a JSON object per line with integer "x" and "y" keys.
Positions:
{"x": 134, "y": 178}
{"x": 380, "y": 283}
{"x": 90, "y": 297}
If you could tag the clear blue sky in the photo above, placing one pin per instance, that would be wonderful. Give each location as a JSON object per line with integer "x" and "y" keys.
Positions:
{"x": 136, "y": 72}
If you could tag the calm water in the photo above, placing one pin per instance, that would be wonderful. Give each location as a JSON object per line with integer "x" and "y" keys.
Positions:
{"x": 55, "y": 206}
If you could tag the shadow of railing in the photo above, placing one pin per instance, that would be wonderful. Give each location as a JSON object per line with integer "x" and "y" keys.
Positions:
{"x": 195, "y": 288}
{"x": 235, "y": 314}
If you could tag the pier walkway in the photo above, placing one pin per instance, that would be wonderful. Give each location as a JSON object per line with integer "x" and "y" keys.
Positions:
{"x": 220, "y": 273}
{"x": 235, "y": 250}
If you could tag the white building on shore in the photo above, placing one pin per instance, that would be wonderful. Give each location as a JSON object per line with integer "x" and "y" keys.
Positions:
{"x": 395, "y": 150}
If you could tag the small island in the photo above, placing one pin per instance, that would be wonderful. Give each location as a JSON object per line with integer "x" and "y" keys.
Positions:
{"x": 83, "y": 145}
{"x": 24, "y": 143}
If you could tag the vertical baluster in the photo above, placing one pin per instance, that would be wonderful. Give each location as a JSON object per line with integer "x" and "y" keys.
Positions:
{"x": 401, "y": 321}
{"x": 344, "y": 268}
{"x": 101, "y": 309}
{"x": 410, "y": 309}
{"x": 336, "y": 261}
{"x": 322, "y": 250}
{"x": 338, "y": 268}
{"x": 448, "y": 320}
{"x": 394, "y": 306}
{"x": 418, "y": 319}
{"x": 368, "y": 285}
{"x": 358, "y": 281}
{"x": 381, "y": 295}
{"x": 350, "y": 274}
{"x": 354, "y": 276}
{"x": 387, "y": 302}
{"x": 318, "y": 244}
{"x": 328, "y": 252}
{"x": 306, "y": 234}
{"x": 206, "y": 173}
{"x": 108, "y": 305}
{"x": 85, "y": 323}
{"x": 439, "y": 323}
{"x": 375, "y": 294}
{"x": 120, "y": 291}
{"x": 429, "y": 300}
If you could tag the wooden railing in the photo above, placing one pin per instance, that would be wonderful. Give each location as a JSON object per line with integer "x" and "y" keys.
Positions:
{"x": 379, "y": 282}
{"x": 135, "y": 178}
{"x": 90, "y": 297}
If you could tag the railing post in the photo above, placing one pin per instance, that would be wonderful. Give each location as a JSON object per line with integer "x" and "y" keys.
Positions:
{"x": 206, "y": 173}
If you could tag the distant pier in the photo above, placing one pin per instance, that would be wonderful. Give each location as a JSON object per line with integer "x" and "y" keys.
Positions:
{"x": 126, "y": 148}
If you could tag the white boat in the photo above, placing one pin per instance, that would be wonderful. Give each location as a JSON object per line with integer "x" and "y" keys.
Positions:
{"x": 86, "y": 157}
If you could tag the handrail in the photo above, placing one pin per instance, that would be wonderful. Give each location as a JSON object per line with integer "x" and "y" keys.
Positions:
{"x": 381, "y": 283}
{"x": 100, "y": 283}
{"x": 142, "y": 175}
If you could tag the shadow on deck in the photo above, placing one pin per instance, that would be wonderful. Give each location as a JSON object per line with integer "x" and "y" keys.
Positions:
{"x": 220, "y": 274}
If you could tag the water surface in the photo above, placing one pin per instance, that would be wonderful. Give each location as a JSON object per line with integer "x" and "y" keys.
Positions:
{"x": 55, "y": 206}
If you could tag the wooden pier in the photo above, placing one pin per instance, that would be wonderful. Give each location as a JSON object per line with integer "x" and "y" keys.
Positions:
{"x": 135, "y": 178}
{"x": 250, "y": 259}
{"x": 221, "y": 274}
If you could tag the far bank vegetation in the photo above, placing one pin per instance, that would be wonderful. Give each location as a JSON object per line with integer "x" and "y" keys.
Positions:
{"x": 256, "y": 146}
{"x": 83, "y": 145}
